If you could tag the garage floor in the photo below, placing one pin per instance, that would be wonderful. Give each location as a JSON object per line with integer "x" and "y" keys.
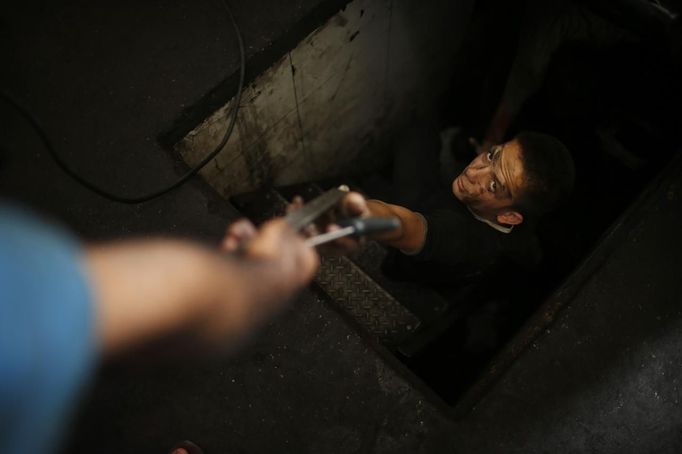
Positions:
{"x": 108, "y": 81}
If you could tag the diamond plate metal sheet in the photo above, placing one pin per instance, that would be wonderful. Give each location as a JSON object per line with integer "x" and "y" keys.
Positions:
{"x": 370, "y": 306}
{"x": 421, "y": 300}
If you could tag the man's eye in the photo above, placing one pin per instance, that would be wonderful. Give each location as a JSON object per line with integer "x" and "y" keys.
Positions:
{"x": 493, "y": 186}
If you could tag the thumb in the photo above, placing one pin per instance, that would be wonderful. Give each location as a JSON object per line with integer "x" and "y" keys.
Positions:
{"x": 238, "y": 234}
{"x": 355, "y": 205}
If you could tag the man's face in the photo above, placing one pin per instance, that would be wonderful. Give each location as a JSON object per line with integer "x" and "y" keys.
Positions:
{"x": 491, "y": 182}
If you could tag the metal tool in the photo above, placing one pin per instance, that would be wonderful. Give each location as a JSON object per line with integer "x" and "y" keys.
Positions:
{"x": 315, "y": 208}
{"x": 324, "y": 202}
{"x": 355, "y": 226}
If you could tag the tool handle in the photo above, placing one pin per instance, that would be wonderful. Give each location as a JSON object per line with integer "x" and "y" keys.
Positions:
{"x": 365, "y": 226}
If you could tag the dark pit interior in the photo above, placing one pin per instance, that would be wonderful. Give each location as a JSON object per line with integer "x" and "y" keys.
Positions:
{"x": 626, "y": 92}
{"x": 638, "y": 107}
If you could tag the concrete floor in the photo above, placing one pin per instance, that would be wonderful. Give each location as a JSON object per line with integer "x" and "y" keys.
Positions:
{"x": 107, "y": 81}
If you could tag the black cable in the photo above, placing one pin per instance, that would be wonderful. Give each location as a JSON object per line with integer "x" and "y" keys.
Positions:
{"x": 35, "y": 123}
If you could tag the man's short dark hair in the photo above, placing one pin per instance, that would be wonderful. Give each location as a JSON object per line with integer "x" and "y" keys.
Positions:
{"x": 548, "y": 170}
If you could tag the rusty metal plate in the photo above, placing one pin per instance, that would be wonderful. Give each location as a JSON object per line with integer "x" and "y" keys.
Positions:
{"x": 375, "y": 310}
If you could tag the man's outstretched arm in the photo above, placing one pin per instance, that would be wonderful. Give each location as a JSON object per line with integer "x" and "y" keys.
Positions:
{"x": 409, "y": 237}
{"x": 150, "y": 288}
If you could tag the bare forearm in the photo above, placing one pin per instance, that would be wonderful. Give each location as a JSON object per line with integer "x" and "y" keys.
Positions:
{"x": 410, "y": 236}
{"x": 147, "y": 289}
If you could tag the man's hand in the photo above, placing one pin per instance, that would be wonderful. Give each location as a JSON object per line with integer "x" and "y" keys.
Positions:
{"x": 150, "y": 289}
{"x": 276, "y": 245}
{"x": 353, "y": 205}
{"x": 274, "y": 264}
{"x": 409, "y": 236}
{"x": 237, "y": 236}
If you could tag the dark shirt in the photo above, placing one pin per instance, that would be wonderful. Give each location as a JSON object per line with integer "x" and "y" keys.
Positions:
{"x": 460, "y": 248}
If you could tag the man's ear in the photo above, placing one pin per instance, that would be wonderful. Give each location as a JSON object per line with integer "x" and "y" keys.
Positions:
{"x": 510, "y": 218}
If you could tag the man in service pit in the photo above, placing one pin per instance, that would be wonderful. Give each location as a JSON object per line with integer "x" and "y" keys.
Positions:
{"x": 486, "y": 219}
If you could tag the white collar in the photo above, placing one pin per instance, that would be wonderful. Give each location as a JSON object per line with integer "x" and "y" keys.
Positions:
{"x": 495, "y": 225}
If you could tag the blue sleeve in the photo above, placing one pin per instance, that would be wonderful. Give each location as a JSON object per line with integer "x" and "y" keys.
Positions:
{"x": 47, "y": 341}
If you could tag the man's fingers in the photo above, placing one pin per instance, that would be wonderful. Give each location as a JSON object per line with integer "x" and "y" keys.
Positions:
{"x": 278, "y": 242}
{"x": 243, "y": 228}
{"x": 310, "y": 230}
{"x": 354, "y": 205}
{"x": 229, "y": 244}
{"x": 238, "y": 234}
{"x": 296, "y": 203}
{"x": 268, "y": 239}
